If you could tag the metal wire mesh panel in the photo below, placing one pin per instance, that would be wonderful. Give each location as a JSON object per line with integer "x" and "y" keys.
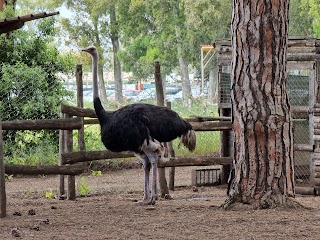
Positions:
{"x": 299, "y": 96}
{"x": 225, "y": 88}
{"x": 298, "y": 89}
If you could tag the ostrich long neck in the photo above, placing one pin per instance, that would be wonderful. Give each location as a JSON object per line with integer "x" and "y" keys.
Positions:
{"x": 95, "y": 59}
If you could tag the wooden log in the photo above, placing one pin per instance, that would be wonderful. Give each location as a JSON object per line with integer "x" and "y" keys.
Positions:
{"x": 211, "y": 126}
{"x": 60, "y": 163}
{"x": 317, "y": 174}
{"x": 316, "y": 125}
{"x": 206, "y": 118}
{"x": 77, "y": 111}
{"x": 305, "y": 190}
{"x": 195, "y": 161}
{"x": 3, "y": 196}
{"x": 46, "y": 170}
{"x": 74, "y": 157}
{"x": 71, "y": 190}
{"x": 304, "y": 57}
{"x": 317, "y": 182}
{"x": 316, "y": 169}
{"x": 303, "y": 147}
{"x": 66, "y": 124}
{"x": 316, "y": 137}
{"x": 300, "y": 109}
{"x": 197, "y": 126}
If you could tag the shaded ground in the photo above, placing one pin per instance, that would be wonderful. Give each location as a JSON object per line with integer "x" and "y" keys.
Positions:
{"x": 111, "y": 213}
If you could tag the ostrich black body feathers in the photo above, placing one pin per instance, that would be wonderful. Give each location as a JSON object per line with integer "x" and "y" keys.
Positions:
{"x": 127, "y": 128}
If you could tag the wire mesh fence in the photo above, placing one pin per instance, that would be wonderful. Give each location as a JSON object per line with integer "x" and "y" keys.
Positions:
{"x": 298, "y": 89}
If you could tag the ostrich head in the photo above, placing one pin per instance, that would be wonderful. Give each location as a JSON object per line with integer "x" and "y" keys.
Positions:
{"x": 92, "y": 50}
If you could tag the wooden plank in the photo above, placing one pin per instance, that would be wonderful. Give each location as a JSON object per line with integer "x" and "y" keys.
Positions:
{"x": 3, "y": 196}
{"x": 46, "y": 170}
{"x": 195, "y": 161}
{"x": 66, "y": 124}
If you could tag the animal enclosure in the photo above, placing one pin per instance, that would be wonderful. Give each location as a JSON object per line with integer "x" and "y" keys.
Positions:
{"x": 302, "y": 88}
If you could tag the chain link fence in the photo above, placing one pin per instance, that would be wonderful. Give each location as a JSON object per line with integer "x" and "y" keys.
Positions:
{"x": 299, "y": 96}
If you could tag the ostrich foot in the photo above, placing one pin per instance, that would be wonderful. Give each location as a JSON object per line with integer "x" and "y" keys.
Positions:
{"x": 150, "y": 201}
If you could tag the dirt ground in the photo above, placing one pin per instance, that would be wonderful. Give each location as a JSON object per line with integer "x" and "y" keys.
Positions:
{"x": 111, "y": 212}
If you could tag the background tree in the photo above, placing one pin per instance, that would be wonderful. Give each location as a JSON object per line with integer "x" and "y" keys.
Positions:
{"x": 30, "y": 88}
{"x": 311, "y": 10}
{"x": 263, "y": 173}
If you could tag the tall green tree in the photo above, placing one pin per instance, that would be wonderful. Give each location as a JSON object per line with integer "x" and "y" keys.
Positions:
{"x": 312, "y": 10}
{"x": 29, "y": 86}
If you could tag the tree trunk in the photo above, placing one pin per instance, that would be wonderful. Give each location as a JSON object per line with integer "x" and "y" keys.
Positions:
{"x": 263, "y": 171}
{"x": 116, "y": 61}
{"x": 186, "y": 88}
{"x": 101, "y": 85}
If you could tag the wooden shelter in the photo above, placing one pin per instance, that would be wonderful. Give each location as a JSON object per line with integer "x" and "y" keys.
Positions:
{"x": 14, "y": 23}
{"x": 304, "y": 96}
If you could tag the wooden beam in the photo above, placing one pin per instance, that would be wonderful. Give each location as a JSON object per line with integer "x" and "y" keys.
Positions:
{"x": 3, "y": 196}
{"x": 77, "y": 111}
{"x": 65, "y": 124}
{"x": 195, "y": 161}
{"x": 75, "y": 157}
{"x": 211, "y": 126}
{"x": 46, "y": 170}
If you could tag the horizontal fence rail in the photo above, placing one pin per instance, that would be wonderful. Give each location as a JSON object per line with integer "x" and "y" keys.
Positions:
{"x": 46, "y": 170}
{"x": 63, "y": 124}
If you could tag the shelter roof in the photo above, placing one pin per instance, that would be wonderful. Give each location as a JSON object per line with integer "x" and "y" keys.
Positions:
{"x": 13, "y": 23}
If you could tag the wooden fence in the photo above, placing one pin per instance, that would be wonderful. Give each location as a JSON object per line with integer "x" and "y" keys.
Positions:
{"x": 72, "y": 163}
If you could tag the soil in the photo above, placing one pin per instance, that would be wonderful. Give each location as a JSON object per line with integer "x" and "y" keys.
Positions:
{"x": 111, "y": 212}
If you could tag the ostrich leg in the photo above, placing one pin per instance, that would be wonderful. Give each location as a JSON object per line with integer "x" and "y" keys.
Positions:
{"x": 146, "y": 168}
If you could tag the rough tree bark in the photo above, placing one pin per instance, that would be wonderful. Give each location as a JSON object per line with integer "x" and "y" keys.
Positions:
{"x": 263, "y": 170}
{"x": 101, "y": 84}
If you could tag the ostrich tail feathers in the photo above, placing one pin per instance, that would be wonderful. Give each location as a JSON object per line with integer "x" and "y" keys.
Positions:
{"x": 189, "y": 140}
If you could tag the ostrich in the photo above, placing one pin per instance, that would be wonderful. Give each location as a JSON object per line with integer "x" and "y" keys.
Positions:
{"x": 140, "y": 128}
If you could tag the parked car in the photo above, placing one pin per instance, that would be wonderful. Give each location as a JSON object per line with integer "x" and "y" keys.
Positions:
{"x": 127, "y": 94}
{"x": 194, "y": 91}
{"x": 144, "y": 95}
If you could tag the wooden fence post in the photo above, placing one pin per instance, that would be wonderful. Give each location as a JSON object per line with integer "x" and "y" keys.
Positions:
{"x": 160, "y": 102}
{"x": 79, "y": 78}
{"x": 3, "y": 197}
{"x": 172, "y": 170}
{"x": 62, "y": 191}
{"x": 68, "y": 139}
